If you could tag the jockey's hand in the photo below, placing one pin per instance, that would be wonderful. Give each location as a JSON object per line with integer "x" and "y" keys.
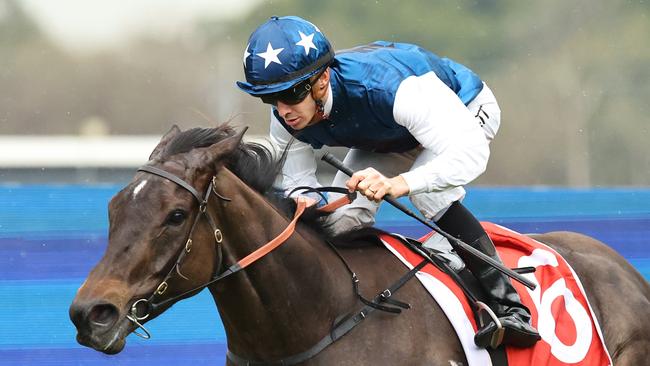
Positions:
{"x": 375, "y": 185}
{"x": 308, "y": 200}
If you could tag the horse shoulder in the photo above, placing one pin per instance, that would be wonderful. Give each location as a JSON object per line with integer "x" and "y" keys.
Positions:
{"x": 419, "y": 335}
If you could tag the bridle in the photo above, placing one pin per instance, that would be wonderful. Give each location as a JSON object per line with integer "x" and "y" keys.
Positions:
{"x": 149, "y": 304}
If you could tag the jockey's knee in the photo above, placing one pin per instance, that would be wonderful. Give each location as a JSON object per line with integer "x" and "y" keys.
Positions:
{"x": 347, "y": 219}
{"x": 433, "y": 205}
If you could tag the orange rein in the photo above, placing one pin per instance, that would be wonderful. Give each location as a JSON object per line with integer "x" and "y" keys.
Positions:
{"x": 281, "y": 238}
{"x": 289, "y": 230}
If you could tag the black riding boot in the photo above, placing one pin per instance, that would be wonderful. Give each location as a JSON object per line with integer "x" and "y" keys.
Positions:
{"x": 512, "y": 314}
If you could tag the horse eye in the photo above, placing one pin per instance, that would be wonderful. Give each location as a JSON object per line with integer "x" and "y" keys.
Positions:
{"x": 176, "y": 218}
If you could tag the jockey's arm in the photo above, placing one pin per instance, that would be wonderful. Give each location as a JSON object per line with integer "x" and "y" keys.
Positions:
{"x": 456, "y": 150}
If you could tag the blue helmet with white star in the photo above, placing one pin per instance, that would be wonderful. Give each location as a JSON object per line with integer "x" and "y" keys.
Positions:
{"x": 281, "y": 53}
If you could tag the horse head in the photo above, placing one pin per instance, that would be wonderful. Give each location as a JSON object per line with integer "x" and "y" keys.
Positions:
{"x": 155, "y": 222}
{"x": 203, "y": 213}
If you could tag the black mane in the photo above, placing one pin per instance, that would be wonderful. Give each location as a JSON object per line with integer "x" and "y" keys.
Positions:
{"x": 193, "y": 138}
{"x": 251, "y": 162}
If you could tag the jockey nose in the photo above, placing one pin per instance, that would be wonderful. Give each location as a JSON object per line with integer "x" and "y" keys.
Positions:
{"x": 283, "y": 109}
{"x": 93, "y": 318}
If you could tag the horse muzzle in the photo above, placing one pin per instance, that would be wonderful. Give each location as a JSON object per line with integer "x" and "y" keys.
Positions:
{"x": 99, "y": 326}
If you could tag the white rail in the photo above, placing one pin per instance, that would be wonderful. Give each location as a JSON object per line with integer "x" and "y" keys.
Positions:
{"x": 77, "y": 152}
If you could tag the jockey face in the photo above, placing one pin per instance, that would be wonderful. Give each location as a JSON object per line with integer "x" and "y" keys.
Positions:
{"x": 302, "y": 111}
{"x": 298, "y": 116}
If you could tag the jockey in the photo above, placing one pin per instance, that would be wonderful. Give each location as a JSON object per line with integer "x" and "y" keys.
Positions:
{"x": 424, "y": 121}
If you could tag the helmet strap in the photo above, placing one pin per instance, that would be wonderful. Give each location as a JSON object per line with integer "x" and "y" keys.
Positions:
{"x": 320, "y": 107}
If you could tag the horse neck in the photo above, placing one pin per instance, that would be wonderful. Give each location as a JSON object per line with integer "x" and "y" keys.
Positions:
{"x": 287, "y": 300}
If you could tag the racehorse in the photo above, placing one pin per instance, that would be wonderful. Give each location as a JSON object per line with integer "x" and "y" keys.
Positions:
{"x": 205, "y": 200}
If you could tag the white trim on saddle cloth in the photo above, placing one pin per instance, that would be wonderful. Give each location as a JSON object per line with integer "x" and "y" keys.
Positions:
{"x": 581, "y": 344}
{"x": 454, "y": 309}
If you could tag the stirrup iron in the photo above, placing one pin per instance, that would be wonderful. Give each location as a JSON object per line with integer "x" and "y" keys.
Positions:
{"x": 497, "y": 336}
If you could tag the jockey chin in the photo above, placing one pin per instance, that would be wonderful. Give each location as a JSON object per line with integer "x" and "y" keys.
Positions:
{"x": 423, "y": 121}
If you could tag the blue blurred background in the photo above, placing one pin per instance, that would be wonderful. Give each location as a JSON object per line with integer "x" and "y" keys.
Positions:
{"x": 52, "y": 235}
{"x": 87, "y": 87}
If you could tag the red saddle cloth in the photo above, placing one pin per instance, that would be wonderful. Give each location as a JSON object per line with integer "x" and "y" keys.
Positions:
{"x": 559, "y": 308}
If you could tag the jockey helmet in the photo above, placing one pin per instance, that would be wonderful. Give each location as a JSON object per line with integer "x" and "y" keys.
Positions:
{"x": 282, "y": 53}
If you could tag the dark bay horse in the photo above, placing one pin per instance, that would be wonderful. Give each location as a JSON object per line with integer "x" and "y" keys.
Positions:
{"x": 286, "y": 302}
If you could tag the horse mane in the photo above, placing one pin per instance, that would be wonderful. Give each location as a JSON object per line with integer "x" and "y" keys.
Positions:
{"x": 251, "y": 162}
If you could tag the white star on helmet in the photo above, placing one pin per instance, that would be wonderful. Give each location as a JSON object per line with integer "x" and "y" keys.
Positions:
{"x": 306, "y": 41}
{"x": 271, "y": 55}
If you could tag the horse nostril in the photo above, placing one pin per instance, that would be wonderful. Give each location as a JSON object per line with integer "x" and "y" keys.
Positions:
{"x": 103, "y": 315}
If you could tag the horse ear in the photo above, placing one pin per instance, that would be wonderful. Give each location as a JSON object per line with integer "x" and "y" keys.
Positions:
{"x": 224, "y": 147}
{"x": 164, "y": 141}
